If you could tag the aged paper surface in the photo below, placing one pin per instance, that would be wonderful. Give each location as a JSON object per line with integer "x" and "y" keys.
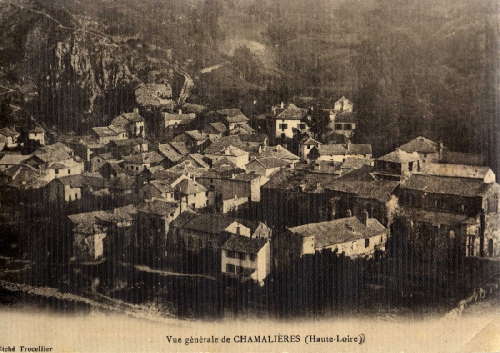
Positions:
{"x": 249, "y": 176}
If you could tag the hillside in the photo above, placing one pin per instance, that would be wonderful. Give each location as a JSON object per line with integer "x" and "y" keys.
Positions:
{"x": 412, "y": 68}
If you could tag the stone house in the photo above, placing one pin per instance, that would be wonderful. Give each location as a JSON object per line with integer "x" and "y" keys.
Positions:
{"x": 246, "y": 258}
{"x": 37, "y": 134}
{"x": 266, "y": 166}
{"x": 306, "y": 145}
{"x": 397, "y": 165}
{"x": 289, "y": 121}
{"x": 73, "y": 187}
{"x": 428, "y": 150}
{"x": 238, "y": 157}
{"x": 171, "y": 121}
{"x": 340, "y": 152}
{"x": 132, "y": 123}
{"x": 190, "y": 194}
{"x": 153, "y": 225}
{"x": 350, "y": 236}
{"x": 456, "y": 208}
{"x": 136, "y": 163}
{"x": 11, "y": 137}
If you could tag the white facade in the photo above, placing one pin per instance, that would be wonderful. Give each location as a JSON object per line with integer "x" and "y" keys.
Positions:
{"x": 235, "y": 263}
{"x": 286, "y": 127}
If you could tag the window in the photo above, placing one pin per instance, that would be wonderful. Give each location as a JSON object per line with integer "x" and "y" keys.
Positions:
{"x": 253, "y": 257}
{"x": 283, "y": 126}
{"x": 410, "y": 166}
{"x": 242, "y": 255}
{"x": 338, "y": 126}
{"x": 230, "y": 268}
{"x": 232, "y": 254}
{"x": 238, "y": 229}
{"x": 69, "y": 171}
{"x": 57, "y": 171}
{"x": 347, "y": 127}
{"x": 302, "y": 126}
{"x": 367, "y": 242}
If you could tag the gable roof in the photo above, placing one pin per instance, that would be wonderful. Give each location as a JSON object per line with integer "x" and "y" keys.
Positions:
{"x": 230, "y": 150}
{"x": 8, "y": 132}
{"x": 209, "y": 223}
{"x": 244, "y": 244}
{"x": 339, "y": 231}
{"x": 182, "y": 118}
{"x": 219, "y": 127}
{"x": 269, "y": 162}
{"x": 344, "y": 149}
{"x": 144, "y": 158}
{"x": 399, "y": 156}
{"x": 456, "y": 170}
{"x": 170, "y": 152}
{"x": 14, "y": 158}
{"x": 420, "y": 144}
{"x": 277, "y": 151}
{"x": 292, "y": 112}
{"x": 380, "y": 190}
{"x": 447, "y": 185}
{"x": 189, "y": 187}
{"x": 104, "y": 131}
{"x": 158, "y": 207}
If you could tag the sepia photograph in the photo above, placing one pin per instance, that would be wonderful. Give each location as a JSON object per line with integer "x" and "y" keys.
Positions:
{"x": 249, "y": 176}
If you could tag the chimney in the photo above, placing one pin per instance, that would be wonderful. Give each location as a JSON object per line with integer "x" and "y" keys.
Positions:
{"x": 136, "y": 110}
{"x": 441, "y": 150}
{"x": 180, "y": 111}
{"x": 282, "y": 105}
{"x": 364, "y": 217}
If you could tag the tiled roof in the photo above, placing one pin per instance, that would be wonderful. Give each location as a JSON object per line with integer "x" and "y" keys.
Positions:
{"x": 277, "y": 152}
{"x": 196, "y": 135}
{"x": 270, "y": 162}
{"x": 14, "y": 158}
{"x": 399, "y": 156}
{"x": 194, "y": 108}
{"x": 180, "y": 147}
{"x": 420, "y": 145}
{"x": 344, "y": 149}
{"x": 189, "y": 187}
{"x": 170, "y": 152}
{"x": 380, "y": 190}
{"x": 228, "y": 151}
{"x": 240, "y": 118}
{"x": 230, "y": 112}
{"x": 8, "y": 132}
{"x": 209, "y": 223}
{"x": 219, "y": 127}
{"x": 446, "y": 185}
{"x": 455, "y": 170}
{"x": 292, "y": 112}
{"x": 339, "y": 231}
{"x": 182, "y": 118}
{"x": 103, "y": 131}
{"x": 144, "y": 158}
{"x": 244, "y": 244}
{"x": 198, "y": 159}
{"x": 158, "y": 207}
{"x": 431, "y": 217}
